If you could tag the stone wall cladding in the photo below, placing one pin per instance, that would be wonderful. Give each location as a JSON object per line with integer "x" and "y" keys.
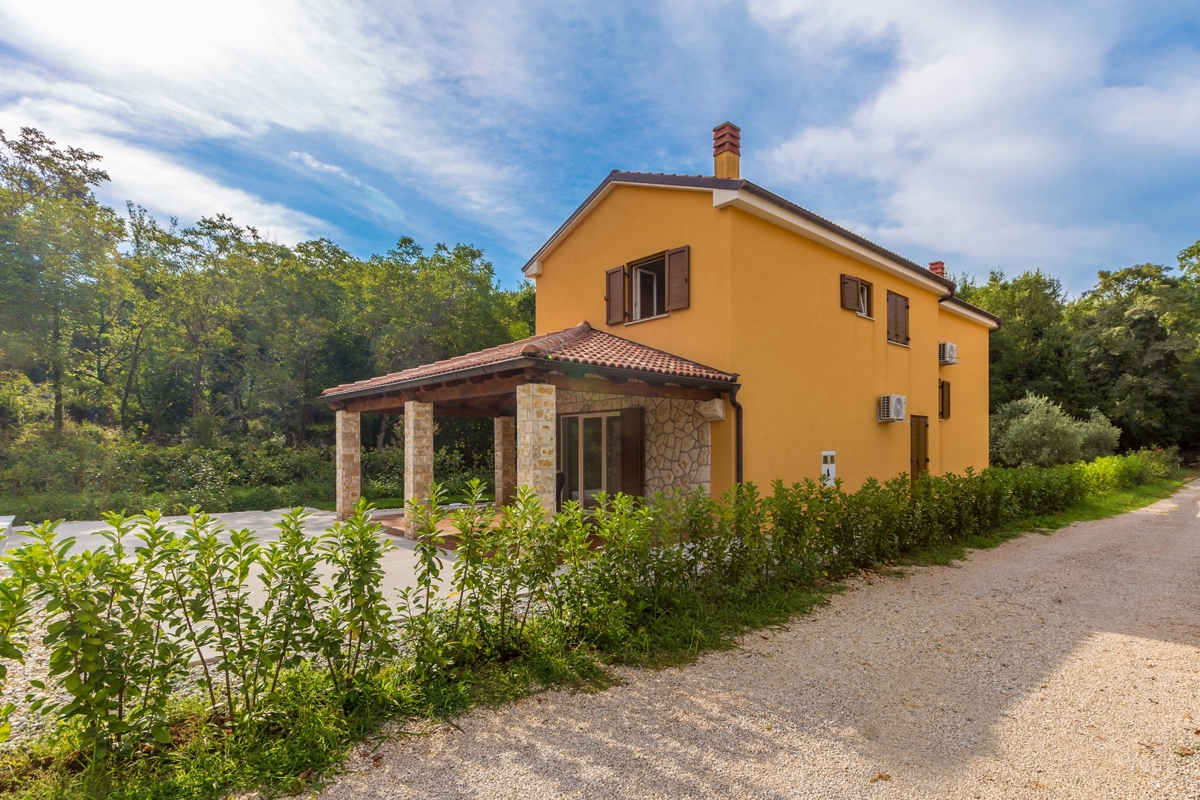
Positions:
{"x": 536, "y": 440}
{"x": 348, "y": 467}
{"x": 678, "y": 438}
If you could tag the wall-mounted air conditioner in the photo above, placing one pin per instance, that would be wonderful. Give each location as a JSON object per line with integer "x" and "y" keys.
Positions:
{"x": 947, "y": 353}
{"x": 891, "y": 408}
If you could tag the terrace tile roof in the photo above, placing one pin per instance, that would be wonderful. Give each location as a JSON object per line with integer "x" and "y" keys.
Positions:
{"x": 578, "y": 345}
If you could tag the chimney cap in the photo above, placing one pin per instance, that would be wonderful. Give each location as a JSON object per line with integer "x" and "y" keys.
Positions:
{"x": 727, "y": 138}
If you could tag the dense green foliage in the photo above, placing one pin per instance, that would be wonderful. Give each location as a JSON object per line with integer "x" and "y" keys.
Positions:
{"x": 625, "y": 583}
{"x": 1129, "y": 348}
{"x": 172, "y": 334}
{"x": 1035, "y": 431}
{"x": 86, "y": 470}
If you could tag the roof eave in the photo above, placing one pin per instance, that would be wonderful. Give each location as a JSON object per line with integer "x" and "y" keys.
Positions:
{"x": 521, "y": 362}
{"x": 960, "y": 307}
{"x": 533, "y": 267}
{"x": 529, "y": 362}
{"x": 760, "y": 202}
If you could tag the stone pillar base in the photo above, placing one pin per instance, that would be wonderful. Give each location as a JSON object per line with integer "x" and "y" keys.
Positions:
{"x": 418, "y": 455}
{"x": 536, "y": 457}
{"x": 348, "y": 462}
{"x": 505, "y": 454}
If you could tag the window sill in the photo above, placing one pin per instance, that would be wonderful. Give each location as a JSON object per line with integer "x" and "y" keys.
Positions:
{"x": 901, "y": 344}
{"x": 863, "y": 316}
{"x": 649, "y": 319}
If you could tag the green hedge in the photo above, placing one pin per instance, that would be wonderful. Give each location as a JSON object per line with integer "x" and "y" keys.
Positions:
{"x": 127, "y": 619}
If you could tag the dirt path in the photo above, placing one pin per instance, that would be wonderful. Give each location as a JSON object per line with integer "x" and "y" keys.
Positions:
{"x": 1052, "y": 666}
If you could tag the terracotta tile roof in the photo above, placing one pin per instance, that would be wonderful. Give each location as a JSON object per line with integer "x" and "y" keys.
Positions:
{"x": 578, "y": 345}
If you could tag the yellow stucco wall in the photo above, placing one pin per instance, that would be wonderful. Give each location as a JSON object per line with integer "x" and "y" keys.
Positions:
{"x": 964, "y": 437}
{"x": 765, "y": 303}
{"x": 628, "y": 224}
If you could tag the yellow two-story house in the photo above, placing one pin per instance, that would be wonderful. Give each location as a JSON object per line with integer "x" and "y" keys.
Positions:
{"x": 696, "y": 331}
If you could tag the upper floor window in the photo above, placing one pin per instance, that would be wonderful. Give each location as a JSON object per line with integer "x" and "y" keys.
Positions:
{"x": 856, "y": 296}
{"x": 897, "y": 318}
{"x": 649, "y": 287}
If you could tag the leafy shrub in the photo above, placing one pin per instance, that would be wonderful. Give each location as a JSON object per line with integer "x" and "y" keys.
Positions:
{"x": 1097, "y": 437}
{"x": 1035, "y": 431}
{"x": 14, "y": 387}
{"x": 126, "y": 619}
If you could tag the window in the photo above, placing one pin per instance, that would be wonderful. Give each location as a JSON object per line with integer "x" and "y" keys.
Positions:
{"x": 856, "y": 296}
{"x": 897, "y": 318}
{"x": 943, "y": 399}
{"x": 649, "y": 287}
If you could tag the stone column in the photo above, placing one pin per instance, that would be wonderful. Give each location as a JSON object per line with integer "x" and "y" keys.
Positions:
{"x": 418, "y": 452}
{"x": 536, "y": 462}
{"x": 505, "y": 450}
{"x": 348, "y": 464}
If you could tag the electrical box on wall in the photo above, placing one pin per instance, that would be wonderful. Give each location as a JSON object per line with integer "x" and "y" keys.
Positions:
{"x": 828, "y": 466}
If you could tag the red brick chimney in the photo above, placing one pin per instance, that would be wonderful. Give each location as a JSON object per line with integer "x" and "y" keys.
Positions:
{"x": 727, "y": 150}
{"x": 938, "y": 268}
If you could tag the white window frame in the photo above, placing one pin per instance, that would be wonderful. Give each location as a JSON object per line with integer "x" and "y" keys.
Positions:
{"x": 637, "y": 295}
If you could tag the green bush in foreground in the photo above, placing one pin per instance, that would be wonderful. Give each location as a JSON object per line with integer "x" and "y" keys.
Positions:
{"x": 285, "y": 682}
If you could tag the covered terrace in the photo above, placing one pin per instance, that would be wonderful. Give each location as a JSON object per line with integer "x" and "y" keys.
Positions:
{"x": 629, "y": 418}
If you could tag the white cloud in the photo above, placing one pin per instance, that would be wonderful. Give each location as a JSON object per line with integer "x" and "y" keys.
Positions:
{"x": 988, "y": 118}
{"x": 152, "y": 179}
{"x": 410, "y": 88}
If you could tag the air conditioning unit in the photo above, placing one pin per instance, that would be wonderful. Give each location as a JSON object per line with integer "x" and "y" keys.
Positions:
{"x": 947, "y": 353}
{"x": 891, "y": 408}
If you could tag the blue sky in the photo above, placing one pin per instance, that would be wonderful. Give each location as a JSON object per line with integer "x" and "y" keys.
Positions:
{"x": 1015, "y": 135}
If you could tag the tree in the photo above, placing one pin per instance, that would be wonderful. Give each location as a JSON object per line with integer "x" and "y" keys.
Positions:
{"x": 1135, "y": 351}
{"x": 1032, "y": 350}
{"x": 58, "y": 247}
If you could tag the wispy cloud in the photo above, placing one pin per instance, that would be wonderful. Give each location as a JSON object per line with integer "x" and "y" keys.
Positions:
{"x": 986, "y": 133}
{"x": 320, "y": 166}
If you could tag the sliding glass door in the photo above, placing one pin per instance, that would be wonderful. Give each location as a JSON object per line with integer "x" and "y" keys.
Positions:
{"x": 590, "y": 456}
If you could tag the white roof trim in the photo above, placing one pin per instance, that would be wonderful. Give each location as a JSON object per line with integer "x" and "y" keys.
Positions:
{"x": 739, "y": 198}
{"x": 970, "y": 314}
{"x": 534, "y": 268}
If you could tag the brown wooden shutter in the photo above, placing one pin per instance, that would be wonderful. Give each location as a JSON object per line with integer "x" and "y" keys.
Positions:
{"x": 891, "y": 317}
{"x": 614, "y": 295}
{"x": 850, "y": 292}
{"x": 944, "y": 399}
{"x": 678, "y": 278}
{"x": 919, "y": 438}
{"x": 902, "y": 326}
{"x": 633, "y": 450}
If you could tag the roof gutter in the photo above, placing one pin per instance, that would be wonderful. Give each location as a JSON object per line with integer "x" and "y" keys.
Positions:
{"x": 737, "y": 448}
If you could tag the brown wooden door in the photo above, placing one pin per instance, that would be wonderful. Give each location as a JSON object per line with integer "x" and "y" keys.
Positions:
{"x": 919, "y": 459}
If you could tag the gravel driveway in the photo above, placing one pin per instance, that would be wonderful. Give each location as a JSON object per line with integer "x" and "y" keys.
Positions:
{"x": 1052, "y": 666}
